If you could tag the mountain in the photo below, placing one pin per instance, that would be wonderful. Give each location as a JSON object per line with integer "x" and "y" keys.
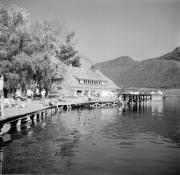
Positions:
{"x": 174, "y": 55}
{"x": 160, "y": 72}
{"x": 115, "y": 69}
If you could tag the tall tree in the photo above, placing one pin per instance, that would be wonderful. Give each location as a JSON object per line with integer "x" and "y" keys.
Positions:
{"x": 27, "y": 49}
{"x": 45, "y": 70}
{"x": 14, "y": 27}
{"x": 50, "y": 36}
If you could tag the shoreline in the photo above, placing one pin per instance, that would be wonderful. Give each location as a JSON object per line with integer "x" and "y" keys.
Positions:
{"x": 171, "y": 93}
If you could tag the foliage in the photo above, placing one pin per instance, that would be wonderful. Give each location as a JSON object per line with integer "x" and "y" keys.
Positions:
{"x": 14, "y": 31}
{"x": 45, "y": 70}
{"x": 27, "y": 49}
{"x": 75, "y": 62}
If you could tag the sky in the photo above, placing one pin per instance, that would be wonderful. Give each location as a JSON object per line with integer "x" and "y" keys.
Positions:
{"x": 107, "y": 29}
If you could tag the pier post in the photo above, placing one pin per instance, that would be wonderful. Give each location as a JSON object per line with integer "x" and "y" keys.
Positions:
{"x": 1, "y": 161}
{"x": 140, "y": 98}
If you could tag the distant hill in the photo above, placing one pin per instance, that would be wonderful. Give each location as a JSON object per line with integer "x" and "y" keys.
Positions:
{"x": 161, "y": 72}
{"x": 174, "y": 55}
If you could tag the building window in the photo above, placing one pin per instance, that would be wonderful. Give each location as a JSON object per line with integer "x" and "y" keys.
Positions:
{"x": 79, "y": 92}
{"x": 95, "y": 82}
{"x": 103, "y": 83}
{"x": 81, "y": 82}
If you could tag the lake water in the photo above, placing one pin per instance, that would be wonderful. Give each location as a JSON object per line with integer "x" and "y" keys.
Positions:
{"x": 137, "y": 140}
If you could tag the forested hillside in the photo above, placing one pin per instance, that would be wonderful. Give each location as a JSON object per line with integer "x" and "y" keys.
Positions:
{"x": 161, "y": 72}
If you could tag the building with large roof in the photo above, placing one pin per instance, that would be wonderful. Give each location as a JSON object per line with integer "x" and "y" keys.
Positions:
{"x": 79, "y": 81}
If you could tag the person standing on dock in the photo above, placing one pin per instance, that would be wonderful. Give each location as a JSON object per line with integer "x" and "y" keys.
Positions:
{"x": 18, "y": 94}
{"x": 29, "y": 95}
{"x": 43, "y": 92}
{"x": 37, "y": 93}
{"x": 89, "y": 97}
{"x": 2, "y": 94}
{"x": 120, "y": 99}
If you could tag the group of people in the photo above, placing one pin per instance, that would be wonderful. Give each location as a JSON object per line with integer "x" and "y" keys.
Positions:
{"x": 18, "y": 95}
{"x": 30, "y": 93}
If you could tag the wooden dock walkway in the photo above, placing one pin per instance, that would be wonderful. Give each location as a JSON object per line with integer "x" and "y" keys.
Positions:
{"x": 36, "y": 110}
{"x": 13, "y": 112}
{"x": 136, "y": 98}
{"x": 86, "y": 104}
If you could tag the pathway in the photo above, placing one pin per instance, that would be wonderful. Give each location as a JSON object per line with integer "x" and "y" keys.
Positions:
{"x": 32, "y": 106}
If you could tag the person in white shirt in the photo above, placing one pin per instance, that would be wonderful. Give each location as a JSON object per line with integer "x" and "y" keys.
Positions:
{"x": 29, "y": 94}
{"x": 37, "y": 92}
{"x": 2, "y": 94}
{"x": 120, "y": 98}
{"x": 43, "y": 92}
{"x": 18, "y": 94}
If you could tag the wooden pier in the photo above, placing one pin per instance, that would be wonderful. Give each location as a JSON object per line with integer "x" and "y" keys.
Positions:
{"x": 136, "y": 98}
{"x": 21, "y": 117}
{"x": 90, "y": 104}
{"x": 18, "y": 118}
{"x": 24, "y": 118}
{"x": 126, "y": 98}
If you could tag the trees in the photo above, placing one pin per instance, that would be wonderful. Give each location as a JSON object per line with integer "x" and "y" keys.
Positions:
{"x": 27, "y": 49}
{"x": 14, "y": 31}
{"x": 14, "y": 27}
{"x": 44, "y": 69}
{"x": 75, "y": 62}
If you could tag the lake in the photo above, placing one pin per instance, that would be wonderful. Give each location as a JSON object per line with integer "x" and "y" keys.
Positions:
{"x": 126, "y": 140}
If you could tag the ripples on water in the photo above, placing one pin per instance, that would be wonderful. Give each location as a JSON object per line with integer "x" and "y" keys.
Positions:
{"x": 127, "y": 140}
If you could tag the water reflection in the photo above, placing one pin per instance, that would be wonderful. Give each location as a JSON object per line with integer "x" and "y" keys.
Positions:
{"x": 111, "y": 140}
{"x": 134, "y": 111}
{"x": 159, "y": 117}
{"x": 157, "y": 107}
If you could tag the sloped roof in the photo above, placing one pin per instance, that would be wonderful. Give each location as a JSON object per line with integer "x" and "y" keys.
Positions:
{"x": 74, "y": 74}
{"x": 86, "y": 74}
